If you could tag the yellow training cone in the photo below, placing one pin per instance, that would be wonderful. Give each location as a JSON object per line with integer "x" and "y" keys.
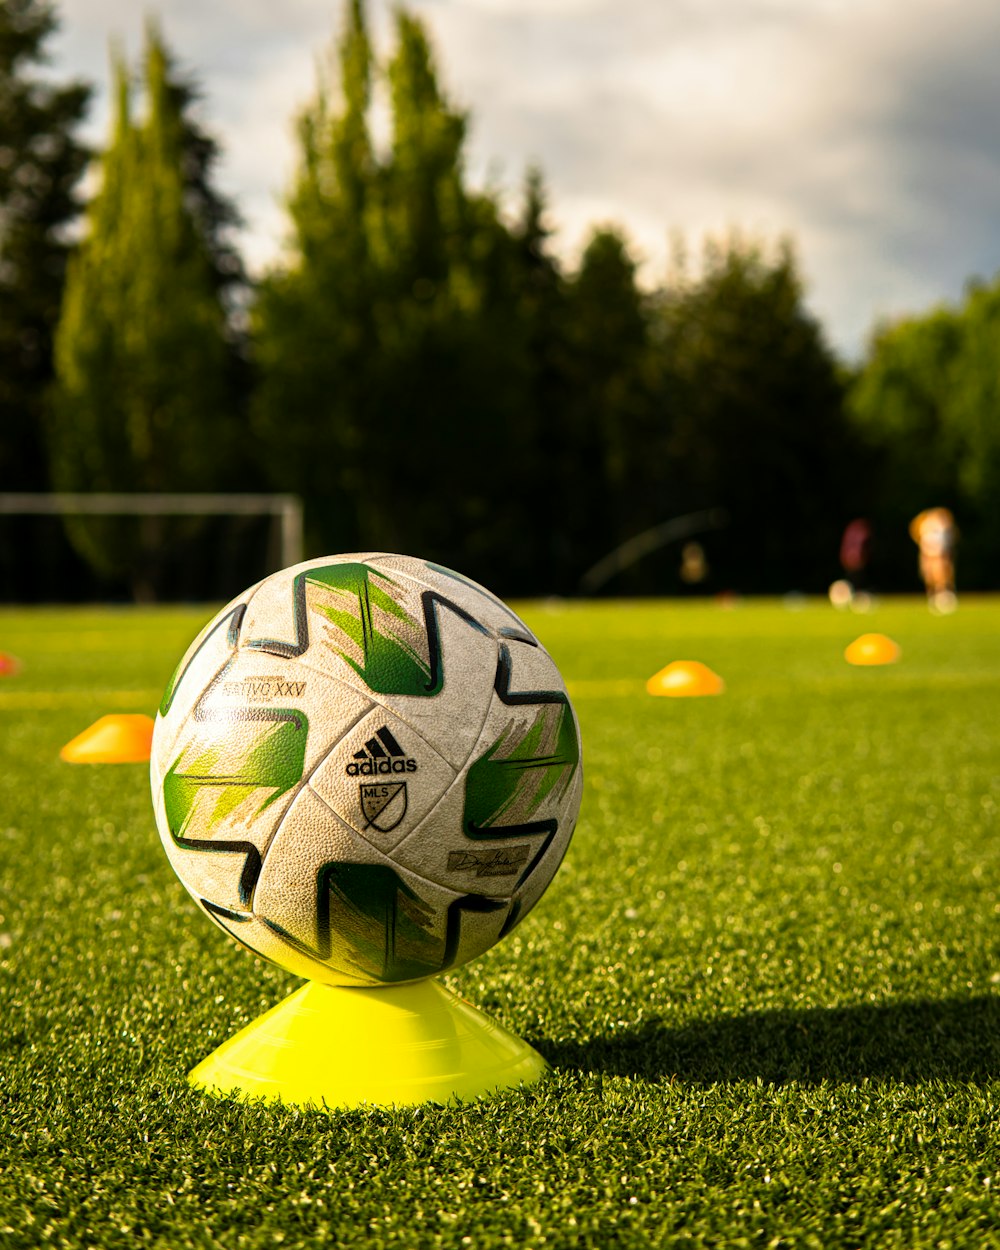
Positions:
{"x": 121, "y": 738}
{"x": 685, "y": 678}
{"x": 400, "y": 1045}
{"x": 872, "y": 649}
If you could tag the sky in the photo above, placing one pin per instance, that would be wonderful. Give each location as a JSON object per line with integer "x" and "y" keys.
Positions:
{"x": 866, "y": 131}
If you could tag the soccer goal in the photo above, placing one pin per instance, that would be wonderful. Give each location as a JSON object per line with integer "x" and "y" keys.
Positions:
{"x": 280, "y": 513}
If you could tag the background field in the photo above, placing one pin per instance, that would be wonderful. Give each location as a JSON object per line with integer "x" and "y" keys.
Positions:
{"x": 766, "y": 977}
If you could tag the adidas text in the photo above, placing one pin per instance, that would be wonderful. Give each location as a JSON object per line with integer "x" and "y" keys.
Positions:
{"x": 369, "y": 768}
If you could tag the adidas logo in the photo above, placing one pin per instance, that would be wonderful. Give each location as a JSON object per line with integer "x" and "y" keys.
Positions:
{"x": 380, "y": 755}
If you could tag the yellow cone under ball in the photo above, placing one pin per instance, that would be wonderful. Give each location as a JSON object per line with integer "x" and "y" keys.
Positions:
{"x": 326, "y": 1046}
{"x": 684, "y": 679}
{"x": 872, "y": 649}
{"x": 119, "y": 738}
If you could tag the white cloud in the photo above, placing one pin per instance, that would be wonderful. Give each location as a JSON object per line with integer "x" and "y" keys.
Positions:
{"x": 866, "y": 131}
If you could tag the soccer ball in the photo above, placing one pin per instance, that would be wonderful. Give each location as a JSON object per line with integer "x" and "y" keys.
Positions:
{"x": 366, "y": 769}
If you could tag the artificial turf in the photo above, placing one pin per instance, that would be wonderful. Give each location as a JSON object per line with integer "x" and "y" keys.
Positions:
{"x": 766, "y": 976}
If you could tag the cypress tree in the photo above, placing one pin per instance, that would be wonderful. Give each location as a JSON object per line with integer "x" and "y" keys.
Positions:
{"x": 608, "y": 417}
{"x": 454, "y": 355}
{"x": 313, "y": 322}
{"x": 551, "y": 473}
{"x": 40, "y": 164}
{"x": 142, "y": 401}
{"x": 386, "y": 359}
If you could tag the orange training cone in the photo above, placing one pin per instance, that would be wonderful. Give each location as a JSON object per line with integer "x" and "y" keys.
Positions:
{"x": 121, "y": 738}
{"x": 685, "y": 678}
{"x": 9, "y": 664}
{"x": 872, "y": 649}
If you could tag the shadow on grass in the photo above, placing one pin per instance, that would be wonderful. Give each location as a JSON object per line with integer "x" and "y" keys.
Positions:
{"x": 953, "y": 1039}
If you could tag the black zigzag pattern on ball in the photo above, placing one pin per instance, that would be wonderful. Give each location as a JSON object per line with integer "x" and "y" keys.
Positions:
{"x": 460, "y": 907}
{"x": 252, "y": 861}
{"x": 220, "y": 915}
{"x": 430, "y": 601}
{"x": 326, "y": 893}
{"x": 521, "y": 698}
{"x": 300, "y": 623}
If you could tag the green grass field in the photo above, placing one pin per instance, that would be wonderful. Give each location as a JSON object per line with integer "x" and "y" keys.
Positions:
{"x": 767, "y": 976}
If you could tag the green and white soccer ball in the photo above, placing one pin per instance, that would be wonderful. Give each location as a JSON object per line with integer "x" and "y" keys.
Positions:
{"x": 366, "y": 769}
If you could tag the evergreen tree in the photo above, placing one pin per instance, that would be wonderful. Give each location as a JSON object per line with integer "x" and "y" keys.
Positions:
{"x": 971, "y": 420}
{"x": 453, "y": 354}
{"x": 214, "y": 216}
{"x": 552, "y": 472}
{"x": 314, "y": 322}
{"x": 926, "y": 400}
{"x": 40, "y": 164}
{"x": 612, "y": 488}
{"x": 385, "y": 336}
{"x": 972, "y": 410}
{"x": 143, "y": 401}
{"x": 753, "y": 400}
{"x": 898, "y": 404}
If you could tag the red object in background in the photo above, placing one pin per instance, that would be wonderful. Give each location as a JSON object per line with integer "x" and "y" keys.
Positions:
{"x": 9, "y": 665}
{"x": 855, "y": 546}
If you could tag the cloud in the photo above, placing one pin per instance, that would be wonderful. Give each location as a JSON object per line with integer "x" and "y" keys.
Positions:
{"x": 866, "y": 131}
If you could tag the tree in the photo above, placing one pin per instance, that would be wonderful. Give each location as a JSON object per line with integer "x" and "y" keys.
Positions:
{"x": 214, "y": 216}
{"x": 549, "y": 475}
{"x": 432, "y": 381}
{"x": 972, "y": 408}
{"x": 313, "y": 322}
{"x": 972, "y": 434}
{"x": 388, "y": 333}
{"x": 611, "y": 477}
{"x": 143, "y": 398}
{"x": 898, "y": 403}
{"x": 926, "y": 401}
{"x": 40, "y": 165}
{"x": 753, "y": 399}
{"x": 453, "y": 354}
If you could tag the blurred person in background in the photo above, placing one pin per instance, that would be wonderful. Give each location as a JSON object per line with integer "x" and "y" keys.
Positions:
{"x": 935, "y": 533}
{"x": 694, "y": 566}
{"x": 851, "y": 591}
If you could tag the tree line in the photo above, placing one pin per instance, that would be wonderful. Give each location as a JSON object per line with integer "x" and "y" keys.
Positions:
{"x": 423, "y": 370}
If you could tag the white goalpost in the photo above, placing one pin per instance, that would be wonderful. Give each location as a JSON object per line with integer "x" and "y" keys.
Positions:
{"x": 286, "y": 509}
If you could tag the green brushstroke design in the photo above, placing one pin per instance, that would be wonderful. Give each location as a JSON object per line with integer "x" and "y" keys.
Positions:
{"x": 390, "y": 665}
{"x": 494, "y": 782}
{"x": 383, "y": 920}
{"x": 277, "y": 763}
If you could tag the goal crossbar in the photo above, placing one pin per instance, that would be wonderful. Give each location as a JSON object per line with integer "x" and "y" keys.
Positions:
{"x": 287, "y": 508}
